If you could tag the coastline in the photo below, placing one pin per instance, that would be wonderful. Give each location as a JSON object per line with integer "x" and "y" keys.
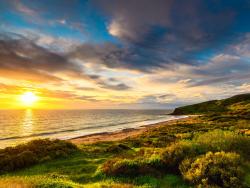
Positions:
{"x": 122, "y": 134}
{"x": 106, "y": 134}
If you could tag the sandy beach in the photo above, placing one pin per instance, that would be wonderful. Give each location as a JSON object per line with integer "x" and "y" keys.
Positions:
{"x": 123, "y": 134}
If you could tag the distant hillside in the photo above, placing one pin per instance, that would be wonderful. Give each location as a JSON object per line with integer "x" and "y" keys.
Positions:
{"x": 238, "y": 104}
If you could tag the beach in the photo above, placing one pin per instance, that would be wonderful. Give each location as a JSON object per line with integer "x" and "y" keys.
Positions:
{"x": 125, "y": 133}
{"x": 26, "y": 125}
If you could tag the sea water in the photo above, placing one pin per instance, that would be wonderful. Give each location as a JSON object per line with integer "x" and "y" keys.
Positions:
{"x": 18, "y": 126}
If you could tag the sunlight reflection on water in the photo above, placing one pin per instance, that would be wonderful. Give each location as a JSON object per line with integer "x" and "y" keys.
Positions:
{"x": 27, "y": 123}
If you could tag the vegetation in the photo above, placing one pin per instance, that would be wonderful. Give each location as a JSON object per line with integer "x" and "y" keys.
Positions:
{"x": 238, "y": 103}
{"x": 174, "y": 154}
{"x": 214, "y": 169}
{"x": 36, "y": 151}
{"x": 218, "y": 140}
{"x": 212, "y": 150}
{"x": 143, "y": 163}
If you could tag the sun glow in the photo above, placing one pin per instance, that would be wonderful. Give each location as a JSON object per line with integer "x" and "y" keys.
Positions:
{"x": 28, "y": 98}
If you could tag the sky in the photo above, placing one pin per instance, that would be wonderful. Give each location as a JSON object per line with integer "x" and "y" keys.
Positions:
{"x": 123, "y": 54}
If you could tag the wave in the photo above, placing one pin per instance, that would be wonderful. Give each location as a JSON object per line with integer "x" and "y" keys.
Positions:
{"x": 87, "y": 128}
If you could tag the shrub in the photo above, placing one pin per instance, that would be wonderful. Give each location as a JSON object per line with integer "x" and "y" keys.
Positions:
{"x": 176, "y": 152}
{"x": 219, "y": 140}
{"x": 24, "y": 155}
{"x": 132, "y": 167}
{"x": 213, "y": 169}
{"x": 118, "y": 148}
{"x": 118, "y": 166}
{"x": 25, "y": 158}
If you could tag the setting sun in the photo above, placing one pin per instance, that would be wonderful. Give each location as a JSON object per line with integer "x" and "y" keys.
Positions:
{"x": 28, "y": 98}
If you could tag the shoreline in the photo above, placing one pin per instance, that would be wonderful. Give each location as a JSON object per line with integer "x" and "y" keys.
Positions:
{"x": 122, "y": 134}
{"x": 108, "y": 135}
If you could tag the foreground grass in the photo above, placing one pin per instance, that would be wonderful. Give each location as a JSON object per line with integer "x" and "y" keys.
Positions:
{"x": 79, "y": 170}
{"x": 43, "y": 181}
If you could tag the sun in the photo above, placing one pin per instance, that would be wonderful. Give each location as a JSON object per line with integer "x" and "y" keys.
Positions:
{"x": 28, "y": 98}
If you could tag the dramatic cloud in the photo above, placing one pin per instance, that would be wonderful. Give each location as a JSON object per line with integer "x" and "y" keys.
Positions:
{"x": 23, "y": 59}
{"x": 165, "y": 31}
{"x": 20, "y": 56}
{"x": 151, "y": 53}
{"x": 190, "y": 21}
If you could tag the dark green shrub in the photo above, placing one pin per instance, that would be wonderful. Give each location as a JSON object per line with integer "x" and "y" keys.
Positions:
{"x": 131, "y": 167}
{"x": 116, "y": 167}
{"x": 118, "y": 148}
{"x": 6, "y": 163}
{"x": 46, "y": 158}
{"x": 24, "y": 155}
{"x": 213, "y": 169}
{"x": 176, "y": 152}
{"x": 26, "y": 158}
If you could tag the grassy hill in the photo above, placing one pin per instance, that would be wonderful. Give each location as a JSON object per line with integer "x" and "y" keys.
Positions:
{"x": 238, "y": 104}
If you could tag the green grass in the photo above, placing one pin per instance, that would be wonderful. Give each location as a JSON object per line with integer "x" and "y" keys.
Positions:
{"x": 38, "y": 181}
{"x": 79, "y": 167}
{"x": 247, "y": 176}
{"x": 171, "y": 180}
{"x": 77, "y": 170}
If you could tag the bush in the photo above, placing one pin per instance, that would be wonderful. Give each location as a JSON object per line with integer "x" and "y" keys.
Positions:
{"x": 176, "y": 152}
{"x": 131, "y": 167}
{"x": 116, "y": 167}
{"x": 118, "y": 148}
{"x": 213, "y": 169}
{"x": 219, "y": 140}
{"x": 25, "y": 158}
{"x": 33, "y": 152}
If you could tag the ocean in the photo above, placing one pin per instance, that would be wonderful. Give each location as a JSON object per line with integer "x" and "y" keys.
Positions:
{"x": 18, "y": 126}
